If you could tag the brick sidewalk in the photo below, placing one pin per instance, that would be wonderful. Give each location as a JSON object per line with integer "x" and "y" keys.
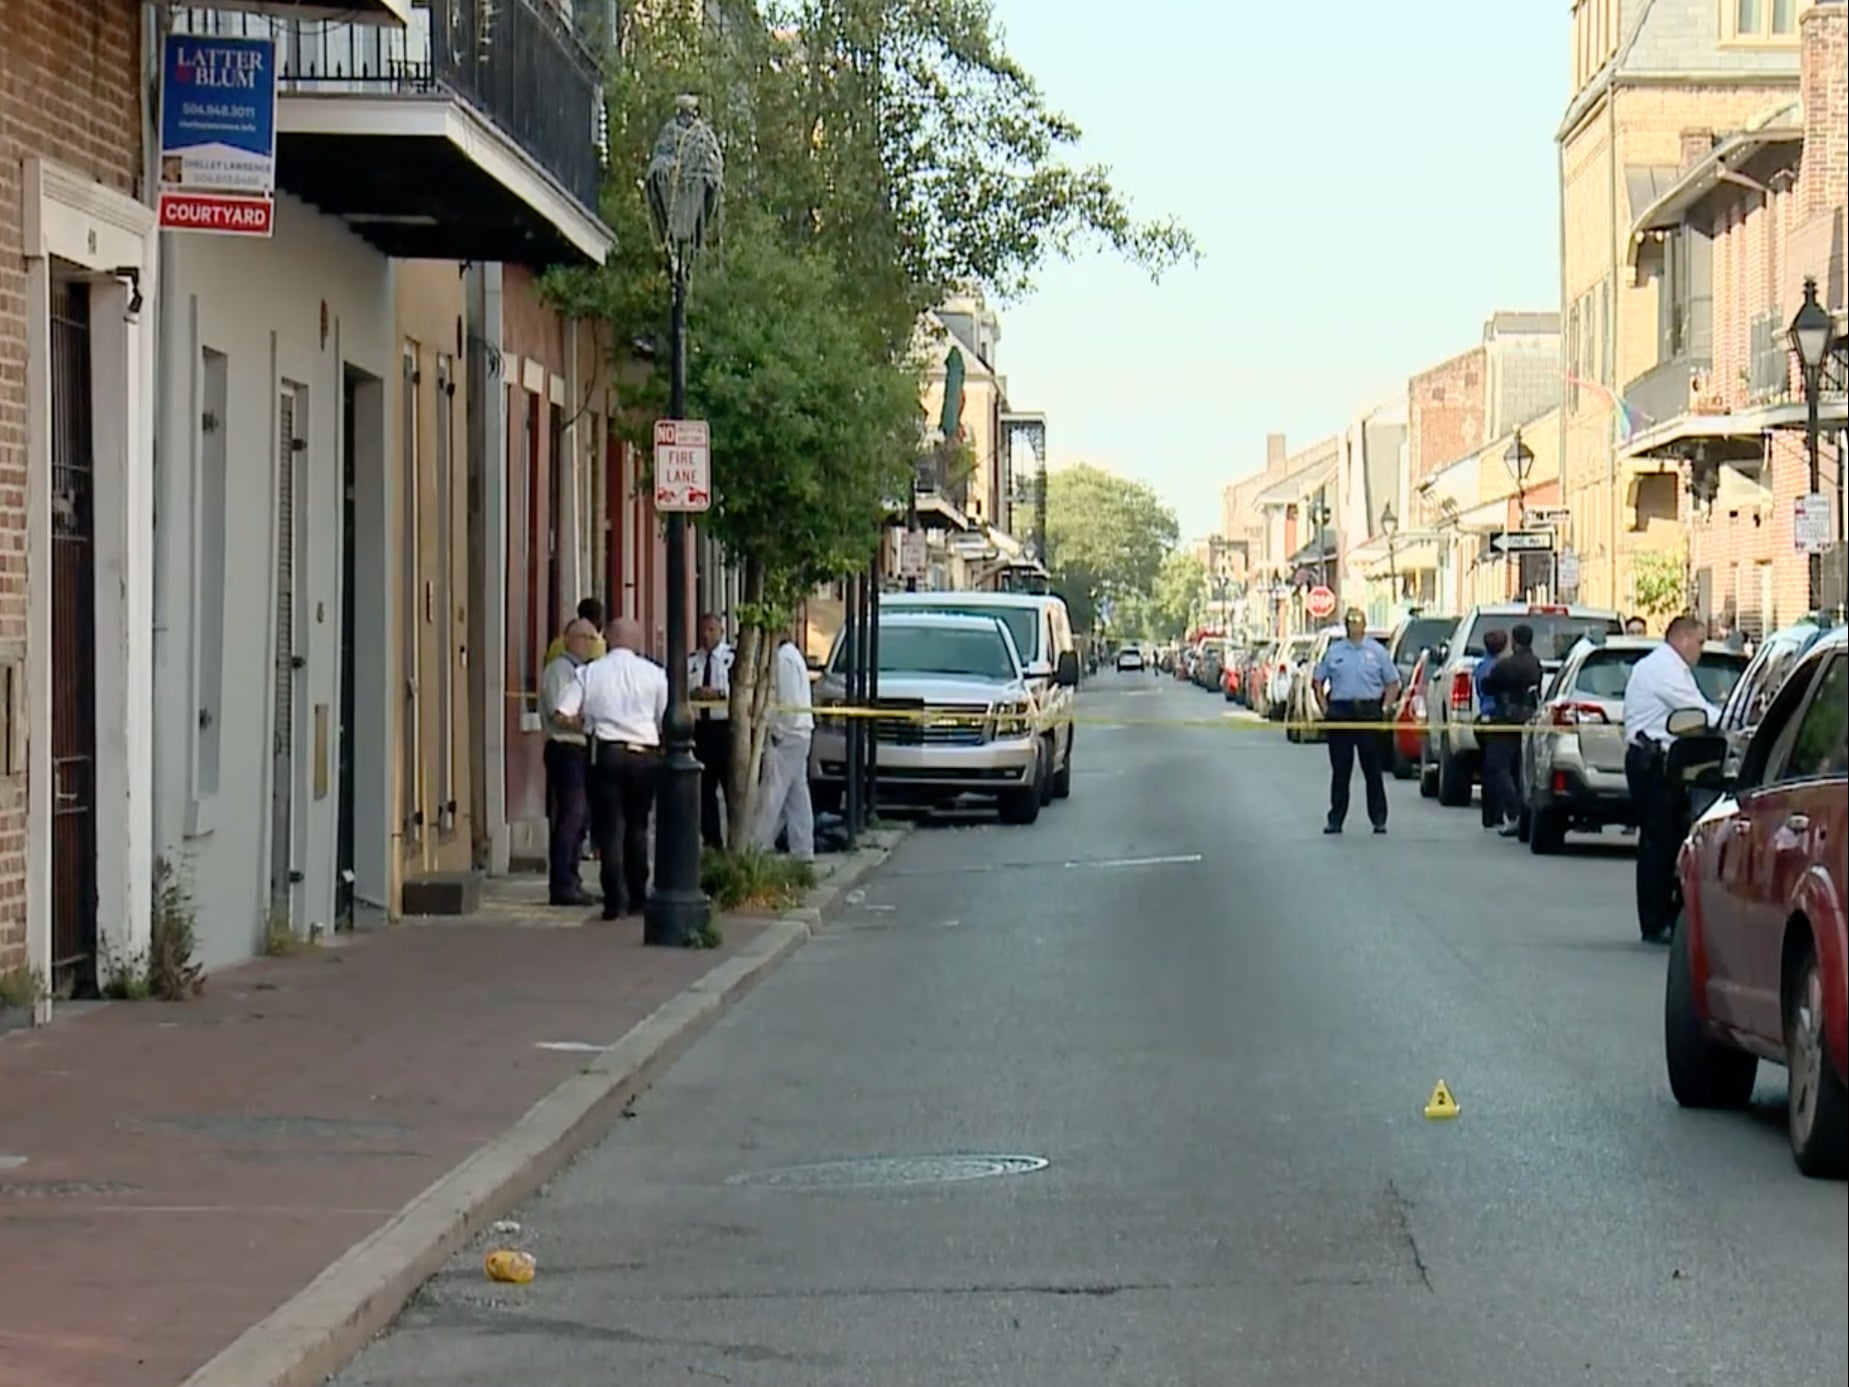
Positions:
{"x": 189, "y": 1167}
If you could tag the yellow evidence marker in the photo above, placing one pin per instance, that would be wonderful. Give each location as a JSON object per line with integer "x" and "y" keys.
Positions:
{"x": 1441, "y": 1104}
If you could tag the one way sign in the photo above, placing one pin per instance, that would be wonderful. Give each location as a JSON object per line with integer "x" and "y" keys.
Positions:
{"x": 1522, "y": 541}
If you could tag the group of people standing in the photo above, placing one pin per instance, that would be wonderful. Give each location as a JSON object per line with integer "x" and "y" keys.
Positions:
{"x": 603, "y": 704}
{"x": 1508, "y": 680}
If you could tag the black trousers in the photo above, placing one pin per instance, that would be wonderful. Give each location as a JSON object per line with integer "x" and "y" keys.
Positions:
{"x": 712, "y": 745}
{"x": 1502, "y": 747}
{"x": 567, "y": 809}
{"x": 1347, "y": 747}
{"x": 622, "y": 793}
{"x": 1659, "y": 836}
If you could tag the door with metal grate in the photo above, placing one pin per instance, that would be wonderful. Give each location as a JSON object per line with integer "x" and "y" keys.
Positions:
{"x": 73, "y": 647}
{"x": 282, "y": 749}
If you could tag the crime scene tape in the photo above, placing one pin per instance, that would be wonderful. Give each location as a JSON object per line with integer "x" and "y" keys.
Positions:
{"x": 947, "y": 718}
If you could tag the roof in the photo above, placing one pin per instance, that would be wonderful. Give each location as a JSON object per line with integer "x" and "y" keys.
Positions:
{"x": 1298, "y": 484}
{"x": 981, "y": 598}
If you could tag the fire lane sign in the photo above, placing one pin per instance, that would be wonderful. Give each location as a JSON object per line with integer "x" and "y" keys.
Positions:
{"x": 683, "y": 466}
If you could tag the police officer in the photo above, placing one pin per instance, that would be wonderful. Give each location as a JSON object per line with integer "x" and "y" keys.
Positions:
{"x": 1353, "y": 683}
{"x": 1659, "y": 684}
{"x": 709, "y": 675}
{"x": 620, "y": 701}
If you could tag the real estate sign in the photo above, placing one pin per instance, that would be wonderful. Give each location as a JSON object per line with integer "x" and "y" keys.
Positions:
{"x": 218, "y": 134}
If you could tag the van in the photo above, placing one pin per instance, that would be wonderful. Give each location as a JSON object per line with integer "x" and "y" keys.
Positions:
{"x": 1042, "y": 629}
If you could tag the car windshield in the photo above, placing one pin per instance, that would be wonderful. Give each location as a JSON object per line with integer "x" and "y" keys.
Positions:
{"x": 1421, "y": 632}
{"x": 1605, "y": 673}
{"x": 968, "y": 652}
{"x": 1554, "y": 633}
{"x": 1023, "y": 622}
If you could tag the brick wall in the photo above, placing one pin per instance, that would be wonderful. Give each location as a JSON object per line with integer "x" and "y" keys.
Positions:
{"x": 1824, "y": 180}
{"x": 68, "y": 76}
{"x": 1447, "y": 413}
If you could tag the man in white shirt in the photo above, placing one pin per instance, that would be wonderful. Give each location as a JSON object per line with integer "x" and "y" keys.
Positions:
{"x": 1660, "y": 684}
{"x": 620, "y": 701}
{"x": 783, "y": 793}
{"x": 567, "y": 764}
{"x": 709, "y": 676}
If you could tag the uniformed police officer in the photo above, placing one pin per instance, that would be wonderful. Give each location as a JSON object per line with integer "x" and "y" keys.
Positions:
{"x": 1353, "y": 683}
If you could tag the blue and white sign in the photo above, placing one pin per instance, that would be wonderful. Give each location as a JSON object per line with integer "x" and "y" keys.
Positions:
{"x": 218, "y": 115}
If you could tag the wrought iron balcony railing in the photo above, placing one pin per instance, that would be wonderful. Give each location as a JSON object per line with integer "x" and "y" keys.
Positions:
{"x": 517, "y": 62}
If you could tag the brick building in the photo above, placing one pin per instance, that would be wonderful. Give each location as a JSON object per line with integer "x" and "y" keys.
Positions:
{"x": 1644, "y": 74}
{"x": 77, "y": 268}
{"x": 1727, "y": 246}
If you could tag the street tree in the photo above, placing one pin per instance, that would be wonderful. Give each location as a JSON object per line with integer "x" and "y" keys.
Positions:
{"x": 1180, "y": 589}
{"x": 1106, "y": 538}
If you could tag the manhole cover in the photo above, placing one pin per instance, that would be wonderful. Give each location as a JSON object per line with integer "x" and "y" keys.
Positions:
{"x": 889, "y": 1171}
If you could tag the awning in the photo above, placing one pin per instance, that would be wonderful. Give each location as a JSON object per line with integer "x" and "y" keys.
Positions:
{"x": 1297, "y": 485}
{"x": 1738, "y": 436}
{"x": 1739, "y": 492}
{"x": 937, "y": 513}
{"x": 1422, "y": 554}
{"x": 1491, "y": 517}
{"x": 1675, "y": 203}
{"x": 390, "y": 14}
{"x": 1322, "y": 549}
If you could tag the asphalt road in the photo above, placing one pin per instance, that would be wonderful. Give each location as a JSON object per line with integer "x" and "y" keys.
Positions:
{"x": 1220, "y": 1029}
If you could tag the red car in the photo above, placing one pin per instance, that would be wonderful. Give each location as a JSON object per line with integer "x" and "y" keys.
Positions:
{"x": 1759, "y": 966}
{"x": 1409, "y": 723}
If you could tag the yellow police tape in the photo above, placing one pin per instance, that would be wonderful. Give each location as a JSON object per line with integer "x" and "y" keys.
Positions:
{"x": 938, "y": 717}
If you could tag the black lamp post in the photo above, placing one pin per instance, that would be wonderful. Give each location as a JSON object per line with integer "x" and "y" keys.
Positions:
{"x": 685, "y": 186}
{"x": 1810, "y": 339}
{"x": 1390, "y": 526}
{"x": 1518, "y": 460}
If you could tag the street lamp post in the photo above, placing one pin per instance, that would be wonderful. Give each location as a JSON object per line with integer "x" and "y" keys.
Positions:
{"x": 684, "y": 186}
{"x": 1810, "y": 339}
{"x": 1518, "y": 460}
{"x": 1390, "y": 526}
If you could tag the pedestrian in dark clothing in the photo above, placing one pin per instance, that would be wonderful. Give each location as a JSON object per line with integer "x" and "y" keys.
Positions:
{"x": 1494, "y": 644}
{"x": 1353, "y": 683}
{"x": 1515, "y": 684}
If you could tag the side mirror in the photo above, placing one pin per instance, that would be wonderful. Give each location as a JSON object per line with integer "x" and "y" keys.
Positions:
{"x": 1688, "y": 722}
{"x": 1066, "y": 672}
{"x": 1697, "y": 761}
{"x": 1441, "y": 653}
{"x": 1038, "y": 669}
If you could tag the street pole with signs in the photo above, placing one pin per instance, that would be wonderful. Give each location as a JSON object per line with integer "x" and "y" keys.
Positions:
{"x": 684, "y": 186}
{"x": 1810, "y": 334}
{"x": 1518, "y": 459}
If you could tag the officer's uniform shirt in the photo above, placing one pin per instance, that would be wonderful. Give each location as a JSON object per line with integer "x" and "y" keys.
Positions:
{"x": 621, "y": 698}
{"x": 1356, "y": 673}
{"x": 1659, "y": 684}
{"x": 711, "y": 669}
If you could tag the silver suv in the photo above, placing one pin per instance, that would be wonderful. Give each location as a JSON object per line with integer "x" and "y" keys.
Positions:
{"x": 1572, "y": 766}
{"x": 1449, "y": 761}
{"x": 965, "y": 717}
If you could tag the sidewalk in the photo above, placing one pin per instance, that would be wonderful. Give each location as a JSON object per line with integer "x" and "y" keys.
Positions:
{"x": 189, "y": 1167}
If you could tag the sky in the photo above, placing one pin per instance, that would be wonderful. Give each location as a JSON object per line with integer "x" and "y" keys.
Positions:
{"x": 1368, "y": 181}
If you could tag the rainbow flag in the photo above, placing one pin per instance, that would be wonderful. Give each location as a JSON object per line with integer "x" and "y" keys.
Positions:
{"x": 1631, "y": 419}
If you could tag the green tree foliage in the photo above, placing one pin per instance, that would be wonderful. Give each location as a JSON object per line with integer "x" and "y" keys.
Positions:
{"x": 1106, "y": 538}
{"x": 1180, "y": 589}
{"x": 1660, "y": 581}
{"x": 879, "y": 154}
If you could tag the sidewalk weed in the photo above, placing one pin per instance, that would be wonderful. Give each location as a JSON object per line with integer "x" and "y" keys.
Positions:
{"x": 166, "y": 969}
{"x": 748, "y": 879}
{"x": 21, "y": 988}
{"x": 280, "y": 939}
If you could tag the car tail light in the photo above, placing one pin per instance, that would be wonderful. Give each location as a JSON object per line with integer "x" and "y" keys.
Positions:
{"x": 1547, "y": 611}
{"x": 1460, "y": 689}
{"x": 1560, "y": 782}
{"x": 1577, "y": 715}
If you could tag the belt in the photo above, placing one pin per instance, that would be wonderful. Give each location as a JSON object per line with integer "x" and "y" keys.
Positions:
{"x": 639, "y": 748}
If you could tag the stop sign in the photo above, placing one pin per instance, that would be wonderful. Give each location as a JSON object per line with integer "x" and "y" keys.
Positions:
{"x": 1320, "y": 602}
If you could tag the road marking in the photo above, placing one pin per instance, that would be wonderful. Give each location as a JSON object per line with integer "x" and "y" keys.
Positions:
{"x": 571, "y": 1047}
{"x": 1176, "y": 860}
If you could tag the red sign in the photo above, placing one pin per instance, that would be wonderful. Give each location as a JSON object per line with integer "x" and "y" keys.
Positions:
{"x": 1319, "y": 602}
{"x": 683, "y": 465}
{"x": 220, "y": 214}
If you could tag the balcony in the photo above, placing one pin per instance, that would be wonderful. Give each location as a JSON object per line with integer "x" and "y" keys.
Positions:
{"x": 1768, "y": 371}
{"x": 473, "y": 133}
{"x": 1667, "y": 391}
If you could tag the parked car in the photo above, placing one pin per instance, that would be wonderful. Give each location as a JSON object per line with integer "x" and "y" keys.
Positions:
{"x": 1776, "y": 657}
{"x": 1571, "y": 769}
{"x": 1409, "y": 722}
{"x": 1130, "y": 658}
{"x": 968, "y": 718}
{"x": 1291, "y": 652}
{"x": 1759, "y": 962}
{"x": 1042, "y": 631}
{"x": 1450, "y": 753}
{"x": 1252, "y": 674}
{"x": 1413, "y": 636}
{"x": 1212, "y": 660}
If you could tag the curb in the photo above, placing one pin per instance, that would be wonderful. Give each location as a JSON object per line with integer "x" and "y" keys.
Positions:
{"x": 324, "y": 1326}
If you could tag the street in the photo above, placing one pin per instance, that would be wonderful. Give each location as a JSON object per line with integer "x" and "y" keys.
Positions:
{"x": 1219, "y": 1028}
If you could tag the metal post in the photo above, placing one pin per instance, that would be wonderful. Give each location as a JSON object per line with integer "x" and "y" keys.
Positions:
{"x": 677, "y": 911}
{"x": 1813, "y": 387}
{"x": 856, "y": 702}
{"x": 873, "y": 698}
